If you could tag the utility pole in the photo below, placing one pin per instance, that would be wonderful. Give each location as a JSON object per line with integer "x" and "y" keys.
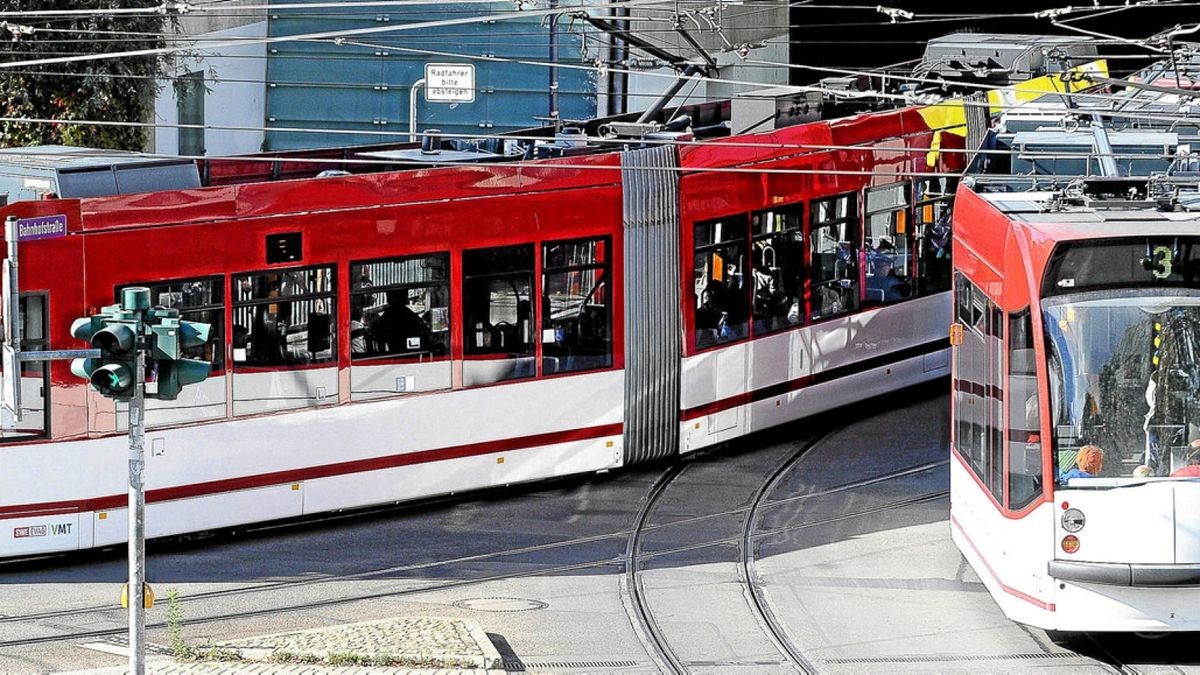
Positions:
{"x": 137, "y": 300}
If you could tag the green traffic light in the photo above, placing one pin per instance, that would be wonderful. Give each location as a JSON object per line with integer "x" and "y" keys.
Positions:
{"x": 112, "y": 378}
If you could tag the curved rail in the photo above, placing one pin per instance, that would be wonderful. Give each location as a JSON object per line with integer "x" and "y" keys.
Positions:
{"x": 756, "y": 597}
{"x": 645, "y": 624}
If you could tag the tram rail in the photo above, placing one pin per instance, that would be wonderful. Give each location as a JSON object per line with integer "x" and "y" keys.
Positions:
{"x": 617, "y": 561}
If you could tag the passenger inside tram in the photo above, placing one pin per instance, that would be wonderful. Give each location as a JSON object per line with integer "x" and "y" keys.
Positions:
{"x": 398, "y": 329}
{"x": 771, "y": 302}
{"x": 1088, "y": 463}
{"x": 882, "y": 284}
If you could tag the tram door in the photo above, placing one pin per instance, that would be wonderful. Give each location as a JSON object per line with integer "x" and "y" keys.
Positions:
{"x": 780, "y": 352}
{"x": 34, "y": 375}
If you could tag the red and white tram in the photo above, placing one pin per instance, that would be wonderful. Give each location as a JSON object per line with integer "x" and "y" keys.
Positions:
{"x": 386, "y": 336}
{"x": 1076, "y": 408}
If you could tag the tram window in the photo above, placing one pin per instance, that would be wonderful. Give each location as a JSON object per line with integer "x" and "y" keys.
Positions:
{"x": 576, "y": 311}
{"x": 400, "y": 308}
{"x": 978, "y": 416}
{"x": 1024, "y": 435}
{"x": 834, "y": 244}
{"x": 284, "y": 317}
{"x": 497, "y": 312}
{"x": 201, "y": 300}
{"x": 777, "y": 252}
{"x": 721, "y": 295}
{"x": 934, "y": 198}
{"x": 888, "y": 240}
{"x": 35, "y": 381}
{"x": 995, "y": 423}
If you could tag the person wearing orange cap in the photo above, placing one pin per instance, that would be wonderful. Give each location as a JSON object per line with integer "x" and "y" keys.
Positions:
{"x": 1089, "y": 461}
{"x": 1192, "y": 468}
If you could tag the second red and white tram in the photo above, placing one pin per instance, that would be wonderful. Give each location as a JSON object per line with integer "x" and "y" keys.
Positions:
{"x": 1076, "y": 409}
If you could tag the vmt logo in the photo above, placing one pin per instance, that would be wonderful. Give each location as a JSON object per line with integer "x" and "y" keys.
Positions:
{"x": 41, "y": 530}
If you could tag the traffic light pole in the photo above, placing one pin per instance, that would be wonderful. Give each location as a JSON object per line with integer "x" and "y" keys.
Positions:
{"x": 137, "y": 301}
{"x": 137, "y": 516}
{"x": 127, "y": 335}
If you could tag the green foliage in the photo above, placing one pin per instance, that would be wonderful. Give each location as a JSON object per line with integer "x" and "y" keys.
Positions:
{"x": 335, "y": 659}
{"x": 116, "y": 89}
{"x": 182, "y": 650}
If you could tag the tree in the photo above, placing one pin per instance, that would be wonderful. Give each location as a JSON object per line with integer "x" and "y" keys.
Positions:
{"x": 116, "y": 89}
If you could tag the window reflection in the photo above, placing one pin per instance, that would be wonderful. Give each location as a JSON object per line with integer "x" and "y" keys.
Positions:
{"x": 498, "y": 312}
{"x": 719, "y": 285}
{"x": 888, "y": 245}
{"x": 834, "y": 245}
{"x": 934, "y": 199}
{"x": 200, "y": 300}
{"x": 777, "y": 250}
{"x": 400, "y": 308}
{"x": 1124, "y": 382}
{"x": 284, "y": 318}
{"x": 576, "y": 314}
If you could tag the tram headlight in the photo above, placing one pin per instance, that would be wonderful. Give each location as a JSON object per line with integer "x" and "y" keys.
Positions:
{"x": 1073, "y": 520}
{"x": 1070, "y": 544}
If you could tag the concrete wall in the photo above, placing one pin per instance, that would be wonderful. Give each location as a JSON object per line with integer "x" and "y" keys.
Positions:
{"x": 229, "y": 15}
{"x": 645, "y": 88}
{"x": 235, "y": 78}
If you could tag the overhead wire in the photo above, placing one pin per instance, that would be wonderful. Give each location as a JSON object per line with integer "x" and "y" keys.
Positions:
{"x": 333, "y": 34}
{"x": 337, "y": 36}
{"x": 796, "y": 88}
{"x": 402, "y": 137}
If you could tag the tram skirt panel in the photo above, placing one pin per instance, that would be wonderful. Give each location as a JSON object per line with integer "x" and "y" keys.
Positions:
{"x": 653, "y": 342}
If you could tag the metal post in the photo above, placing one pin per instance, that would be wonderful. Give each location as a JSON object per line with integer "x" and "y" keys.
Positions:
{"x": 412, "y": 109}
{"x": 137, "y": 300}
{"x": 553, "y": 112}
{"x": 12, "y": 317}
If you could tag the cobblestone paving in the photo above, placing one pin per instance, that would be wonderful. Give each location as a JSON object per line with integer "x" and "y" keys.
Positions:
{"x": 448, "y": 641}
{"x": 444, "y": 638}
{"x": 165, "y": 666}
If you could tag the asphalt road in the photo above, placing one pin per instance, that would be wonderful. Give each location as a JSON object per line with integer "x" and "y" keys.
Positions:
{"x": 820, "y": 546}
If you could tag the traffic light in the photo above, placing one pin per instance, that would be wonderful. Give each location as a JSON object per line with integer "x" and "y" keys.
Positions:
{"x": 113, "y": 332}
{"x": 169, "y": 337}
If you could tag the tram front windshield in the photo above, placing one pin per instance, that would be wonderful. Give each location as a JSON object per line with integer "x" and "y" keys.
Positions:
{"x": 1124, "y": 376}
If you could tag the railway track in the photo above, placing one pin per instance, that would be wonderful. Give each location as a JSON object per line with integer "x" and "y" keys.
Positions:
{"x": 652, "y": 634}
{"x": 770, "y": 621}
{"x": 638, "y": 530}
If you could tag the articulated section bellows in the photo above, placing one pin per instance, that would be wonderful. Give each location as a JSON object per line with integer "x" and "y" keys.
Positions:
{"x": 653, "y": 330}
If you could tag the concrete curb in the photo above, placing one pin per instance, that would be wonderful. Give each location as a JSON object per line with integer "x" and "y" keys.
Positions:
{"x": 491, "y": 656}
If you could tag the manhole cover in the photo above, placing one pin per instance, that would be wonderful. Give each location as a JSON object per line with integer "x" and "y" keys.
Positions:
{"x": 501, "y": 604}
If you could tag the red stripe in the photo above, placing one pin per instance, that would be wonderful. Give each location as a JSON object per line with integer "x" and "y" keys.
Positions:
{"x": 788, "y": 386}
{"x": 1048, "y": 606}
{"x": 718, "y": 405}
{"x": 313, "y": 472}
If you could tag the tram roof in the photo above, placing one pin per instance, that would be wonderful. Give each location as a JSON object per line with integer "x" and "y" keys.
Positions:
{"x": 1062, "y": 219}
